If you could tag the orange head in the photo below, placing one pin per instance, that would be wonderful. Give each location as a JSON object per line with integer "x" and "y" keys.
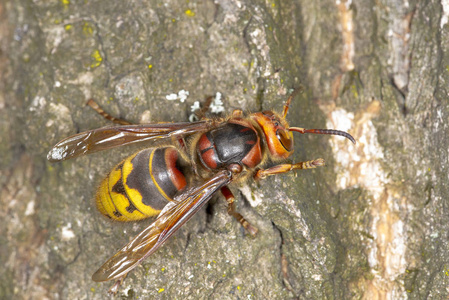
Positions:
{"x": 277, "y": 134}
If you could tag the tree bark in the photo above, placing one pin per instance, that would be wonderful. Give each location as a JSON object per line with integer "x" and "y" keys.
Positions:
{"x": 372, "y": 224}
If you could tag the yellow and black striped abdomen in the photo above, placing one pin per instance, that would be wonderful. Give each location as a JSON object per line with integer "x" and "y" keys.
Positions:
{"x": 141, "y": 185}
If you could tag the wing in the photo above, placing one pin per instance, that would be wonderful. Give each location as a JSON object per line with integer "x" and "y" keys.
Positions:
{"x": 105, "y": 138}
{"x": 155, "y": 235}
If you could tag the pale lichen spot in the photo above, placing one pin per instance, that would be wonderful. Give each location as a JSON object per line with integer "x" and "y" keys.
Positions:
{"x": 67, "y": 232}
{"x": 145, "y": 117}
{"x": 37, "y": 102}
{"x": 196, "y": 106}
{"x": 217, "y": 105}
{"x": 317, "y": 277}
{"x": 445, "y": 17}
{"x": 30, "y": 208}
{"x": 181, "y": 96}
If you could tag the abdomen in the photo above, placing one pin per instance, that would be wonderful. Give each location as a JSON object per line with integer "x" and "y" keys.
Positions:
{"x": 141, "y": 185}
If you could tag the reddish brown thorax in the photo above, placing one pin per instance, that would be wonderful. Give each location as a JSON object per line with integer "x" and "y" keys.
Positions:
{"x": 237, "y": 142}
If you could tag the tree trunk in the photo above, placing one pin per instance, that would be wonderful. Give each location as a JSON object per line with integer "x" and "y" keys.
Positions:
{"x": 372, "y": 224}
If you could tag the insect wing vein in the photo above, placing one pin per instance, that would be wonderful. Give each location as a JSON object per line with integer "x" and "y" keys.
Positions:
{"x": 106, "y": 138}
{"x": 155, "y": 235}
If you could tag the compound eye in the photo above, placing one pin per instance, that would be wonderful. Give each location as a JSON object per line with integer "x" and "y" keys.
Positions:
{"x": 285, "y": 139}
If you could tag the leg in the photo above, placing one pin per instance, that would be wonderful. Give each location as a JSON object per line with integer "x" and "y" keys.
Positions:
{"x": 289, "y": 100}
{"x": 114, "y": 288}
{"x": 105, "y": 115}
{"x": 284, "y": 168}
{"x": 201, "y": 113}
{"x": 237, "y": 113}
{"x": 231, "y": 211}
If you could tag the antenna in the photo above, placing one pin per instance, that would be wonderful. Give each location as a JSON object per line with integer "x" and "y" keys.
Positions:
{"x": 322, "y": 131}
